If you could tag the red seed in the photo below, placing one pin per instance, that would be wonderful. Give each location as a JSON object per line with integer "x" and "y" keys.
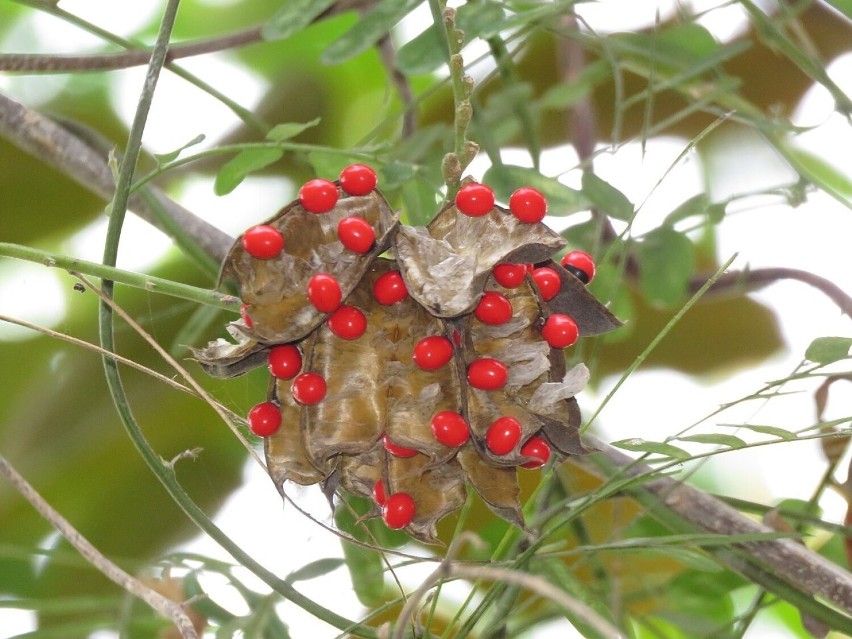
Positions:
{"x": 487, "y": 373}
{"x": 318, "y": 196}
{"x": 264, "y": 419}
{"x": 358, "y": 179}
{"x": 510, "y": 275}
{"x": 493, "y": 308}
{"x": 347, "y": 322}
{"x": 580, "y": 264}
{"x": 398, "y": 510}
{"x": 449, "y": 428}
{"x": 548, "y": 282}
{"x": 395, "y": 449}
{"x": 246, "y": 317}
{"x": 285, "y": 361}
{"x": 528, "y": 205}
{"x": 535, "y": 447}
{"x": 560, "y": 331}
{"x": 379, "y": 493}
{"x": 503, "y": 435}
{"x": 475, "y": 199}
{"x": 324, "y": 292}
{"x": 308, "y": 388}
{"x": 263, "y": 242}
{"x": 390, "y": 288}
{"x": 356, "y": 234}
{"x": 433, "y": 352}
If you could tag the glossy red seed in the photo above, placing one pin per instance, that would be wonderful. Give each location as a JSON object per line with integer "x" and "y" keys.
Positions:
{"x": 347, "y": 322}
{"x": 487, "y": 373}
{"x": 528, "y": 205}
{"x": 398, "y": 510}
{"x": 264, "y": 419}
{"x": 379, "y": 493}
{"x": 285, "y": 361}
{"x": 358, "y": 179}
{"x": 510, "y": 275}
{"x": 263, "y": 242}
{"x": 475, "y": 199}
{"x": 503, "y": 435}
{"x": 535, "y": 447}
{"x": 318, "y": 196}
{"x": 548, "y": 282}
{"x": 246, "y": 317}
{"x": 356, "y": 234}
{"x": 308, "y": 388}
{"x": 493, "y": 308}
{"x": 433, "y": 352}
{"x": 390, "y": 288}
{"x": 395, "y": 449}
{"x": 324, "y": 292}
{"x": 580, "y": 264}
{"x": 449, "y": 428}
{"x": 560, "y": 331}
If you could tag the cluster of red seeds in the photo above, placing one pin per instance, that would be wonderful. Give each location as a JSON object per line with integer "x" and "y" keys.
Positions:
{"x": 431, "y": 352}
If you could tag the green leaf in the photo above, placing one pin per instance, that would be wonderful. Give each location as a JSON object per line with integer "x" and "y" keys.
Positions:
{"x": 505, "y": 178}
{"x": 658, "y": 448}
{"x": 422, "y": 54}
{"x": 716, "y": 439}
{"x": 775, "y": 431}
{"x": 606, "y": 197}
{"x": 480, "y": 19}
{"x": 563, "y": 95}
{"x": 314, "y": 569}
{"x": 365, "y": 569}
{"x": 395, "y": 174}
{"x": 292, "y": 17}
{"x": 235, "y": 170}
{"x": 368, "y": 30}
{"x": 819, "y": 172}
{"x": 689, "y": 37}
{"x": 171, "y": 156}
{"x": 666, "y": 264}
{"x": 288, "y": 130}
{"x": 421, "y": 202}
{"x": 843, "y": 6}
{"x": 699, "y": 205}
{"x": 826, "y": 350}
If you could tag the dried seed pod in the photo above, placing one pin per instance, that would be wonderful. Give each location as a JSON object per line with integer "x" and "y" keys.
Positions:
{"x": 363, "y": 419}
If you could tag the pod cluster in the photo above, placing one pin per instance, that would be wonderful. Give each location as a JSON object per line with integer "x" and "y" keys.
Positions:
{"x": 406, "y": 379}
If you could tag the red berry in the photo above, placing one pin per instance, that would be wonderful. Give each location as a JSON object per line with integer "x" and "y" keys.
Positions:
{"x": 398, "y": 510}
{"x": 510, "y": 275}
{"x": 560, "y": 331}
{"x": 263, "y": 242}
{"x": 449, "y": 428}
{"x": 246, "y": 317}
{"x": 285, "y": 361}
{"x": 503, "y": 435}
{"x": 264, "y": 419}
{"x": 580, "y": 264}
{"x": 318, "y": 196}
{"x": 347, "y": 322}
{"x": 358, "y": 179}
{"x": 528, "y": 205}
{"x": 475, "y": 199}
{"x": 356, "y": 234}
{"x": 535, "y": 447}
{"x": 379, "y": 493}
{"x": 395, "y": 449}
{"x": 493, "y": 308}
{"x": 548, "y": 282}
{"x": 308, "y": 389}
{"x": 390, "y": 288}
{"x": 487, "y": 373}
{"x": 432, "y": 352}
{"x": 324, "y": 292}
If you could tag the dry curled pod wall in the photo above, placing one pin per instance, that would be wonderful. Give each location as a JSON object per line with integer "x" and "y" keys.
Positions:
{"x": 405, "y": 379}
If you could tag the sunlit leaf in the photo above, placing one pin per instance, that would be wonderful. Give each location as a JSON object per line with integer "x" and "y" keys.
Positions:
{"x": 775, "y": 431}
{"x": 658, "y": 448}
{"x": 716, "y": 439}
{"x": 605, "y": 197}
{"x": 825, "y": 350}
{"x": 232, "y": 174}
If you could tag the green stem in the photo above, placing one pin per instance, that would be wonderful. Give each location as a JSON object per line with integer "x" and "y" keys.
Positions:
{"x": 111, "y": 273}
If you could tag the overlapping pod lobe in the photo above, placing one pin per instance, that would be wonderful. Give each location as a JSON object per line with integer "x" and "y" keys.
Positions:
{"x": 405, "y": 379}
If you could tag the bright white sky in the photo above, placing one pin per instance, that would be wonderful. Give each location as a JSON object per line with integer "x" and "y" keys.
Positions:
{"x": 653, "y": 404}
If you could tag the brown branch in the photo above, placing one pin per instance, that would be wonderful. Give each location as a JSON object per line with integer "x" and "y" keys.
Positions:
{"x": 166, "y": 607}
{"x": 387, "y": 53}
{"x": 59, "y": 148}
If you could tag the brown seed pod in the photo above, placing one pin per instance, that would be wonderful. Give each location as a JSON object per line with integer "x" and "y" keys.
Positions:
{"x": 404, "y": 405}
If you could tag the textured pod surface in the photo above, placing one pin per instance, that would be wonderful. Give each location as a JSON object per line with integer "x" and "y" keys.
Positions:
{"x": 370, "y": 431}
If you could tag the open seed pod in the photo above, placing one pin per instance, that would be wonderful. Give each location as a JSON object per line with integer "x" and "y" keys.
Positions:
{"x": 405, "y": 380}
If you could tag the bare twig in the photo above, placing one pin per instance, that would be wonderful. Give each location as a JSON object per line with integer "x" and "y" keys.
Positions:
{"x": 166, "y": 607}
{"x": 403, "y": 87}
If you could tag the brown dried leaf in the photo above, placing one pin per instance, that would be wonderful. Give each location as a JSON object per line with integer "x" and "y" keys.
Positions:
{"x": 498, "y": 487}
{"x": 575, "y": 300}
